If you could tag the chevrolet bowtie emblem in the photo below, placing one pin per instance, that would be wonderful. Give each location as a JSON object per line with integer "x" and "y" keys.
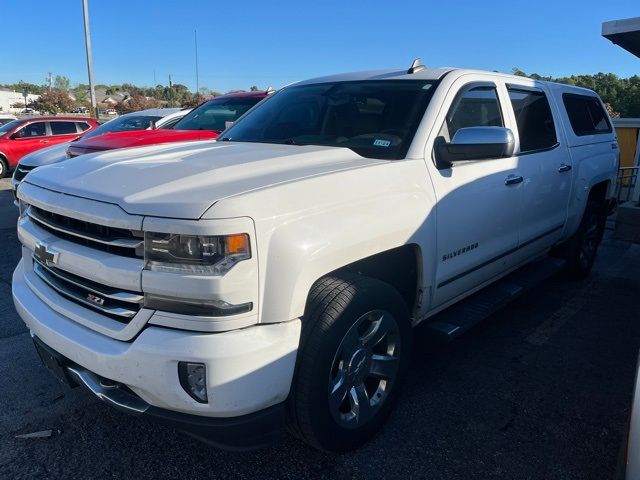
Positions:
{"x": 46, "y": 255}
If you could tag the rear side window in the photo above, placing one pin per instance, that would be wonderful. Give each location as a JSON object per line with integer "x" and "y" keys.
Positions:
{"x": 534, "y": 118}
{"x": 82, "y": 126}
{"x": 63, "y": 128}
{"x": 586, "y": 114}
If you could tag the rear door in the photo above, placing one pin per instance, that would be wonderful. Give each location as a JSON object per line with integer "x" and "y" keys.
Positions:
{"x": 477, "y": 208}
{"x": 62, "y": 131}
{"x": 543, "y": 160}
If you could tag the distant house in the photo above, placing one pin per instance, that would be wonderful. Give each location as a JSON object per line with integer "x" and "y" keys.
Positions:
{"x": 10, "y": 97}
{"x": 111, "y": 98}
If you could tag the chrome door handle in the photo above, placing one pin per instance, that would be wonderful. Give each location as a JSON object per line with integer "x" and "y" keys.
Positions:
{"x": 564, "y": 168}
{"x": 513, "y": 180}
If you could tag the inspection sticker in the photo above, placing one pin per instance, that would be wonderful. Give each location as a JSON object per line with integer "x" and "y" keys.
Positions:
{"x": 381, "y": 143}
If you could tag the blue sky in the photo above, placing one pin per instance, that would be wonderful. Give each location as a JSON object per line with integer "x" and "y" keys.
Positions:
{"x": 278, "y": 42}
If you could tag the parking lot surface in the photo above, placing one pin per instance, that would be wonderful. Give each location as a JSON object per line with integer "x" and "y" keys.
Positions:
{"x": 542, "y": 389}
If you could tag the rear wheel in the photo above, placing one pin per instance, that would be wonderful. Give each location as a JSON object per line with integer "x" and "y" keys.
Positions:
{"x": 582, "y": 248}
{"x": 353, "y": 354}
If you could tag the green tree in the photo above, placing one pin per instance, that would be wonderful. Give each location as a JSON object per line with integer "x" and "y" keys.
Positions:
{"x": 61, "y": 83}
{"x": 81, "y": 92}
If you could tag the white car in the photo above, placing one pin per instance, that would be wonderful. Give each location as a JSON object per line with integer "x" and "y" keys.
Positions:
{"x": 142, "y": 120}
{"x": 6, "y": 118}
{"x": 272, "y": 277}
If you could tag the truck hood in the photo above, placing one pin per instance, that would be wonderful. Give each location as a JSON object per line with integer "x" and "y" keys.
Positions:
{"x": 46, "y": 156}
{"x": 184, "y": 180}
{"x": 137, "y": 138}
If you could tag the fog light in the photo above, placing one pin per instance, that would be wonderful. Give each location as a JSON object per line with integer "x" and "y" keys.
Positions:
{"x": 193, "y": 378}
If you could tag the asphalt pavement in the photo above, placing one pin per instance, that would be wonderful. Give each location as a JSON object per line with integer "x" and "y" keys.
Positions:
{"x": 541, "y": 390}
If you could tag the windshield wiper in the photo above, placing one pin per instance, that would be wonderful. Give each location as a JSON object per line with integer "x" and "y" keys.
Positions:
{"x": 225, "y": 139}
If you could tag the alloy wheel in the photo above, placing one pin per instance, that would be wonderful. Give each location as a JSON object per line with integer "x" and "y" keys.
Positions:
{"x": 364, "y": 368}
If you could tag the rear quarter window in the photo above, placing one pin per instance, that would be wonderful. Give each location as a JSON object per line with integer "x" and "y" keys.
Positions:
{"x": 586, "y": 114}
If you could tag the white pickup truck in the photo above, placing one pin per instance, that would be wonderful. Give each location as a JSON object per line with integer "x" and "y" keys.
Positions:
{"x": 272, "y": 278}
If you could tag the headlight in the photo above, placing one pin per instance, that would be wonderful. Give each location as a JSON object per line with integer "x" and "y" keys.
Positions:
{"x": 194, "y": 254}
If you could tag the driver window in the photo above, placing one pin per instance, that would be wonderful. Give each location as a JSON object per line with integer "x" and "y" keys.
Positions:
{"x": 475, "y": 107}
{"x": 34, "y": 130}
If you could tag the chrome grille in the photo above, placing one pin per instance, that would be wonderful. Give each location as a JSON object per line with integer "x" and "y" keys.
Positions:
{"x": 117, "y": 304}
{"x": 110, "y": 239}
{"x": 21, "y": 172}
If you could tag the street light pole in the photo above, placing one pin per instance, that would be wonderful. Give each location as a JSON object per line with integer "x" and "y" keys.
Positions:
{"x": 87, "y": 41}
{"x": 195, "y": 38}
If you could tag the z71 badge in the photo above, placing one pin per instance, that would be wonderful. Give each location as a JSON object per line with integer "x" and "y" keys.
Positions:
{"x": 95, "y": 299}
{"x": 460, "y": 251}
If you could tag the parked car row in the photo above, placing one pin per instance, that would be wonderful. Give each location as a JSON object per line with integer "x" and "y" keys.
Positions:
{"x": 272, "y": 278}
{"x": 153, "y": 126}
{"x": 143, "y": 121}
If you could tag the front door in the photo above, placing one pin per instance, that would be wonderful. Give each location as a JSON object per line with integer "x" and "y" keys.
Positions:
{"x": 32, "y": 137}
{"x": 478, "y": 202}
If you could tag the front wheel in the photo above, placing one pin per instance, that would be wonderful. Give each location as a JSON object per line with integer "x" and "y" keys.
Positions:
{"x": 4, "y": 168}
{"x": 353, "y": 354}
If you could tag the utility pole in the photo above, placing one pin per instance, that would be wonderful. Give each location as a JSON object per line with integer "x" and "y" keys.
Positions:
{"x": 170, "y": 90}
{"x": 87, "y": 41}
{"x": 195, "y": 37}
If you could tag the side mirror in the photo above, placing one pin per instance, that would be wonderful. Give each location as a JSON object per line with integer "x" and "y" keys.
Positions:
{"x": 18, "y": 134}
{"x": 474, "y": 143}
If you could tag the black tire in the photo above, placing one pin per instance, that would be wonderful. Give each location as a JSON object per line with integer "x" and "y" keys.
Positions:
{"x": 4, "y": 168}
{"x": 582, "y": 248}
{"x": 344, "y": 317}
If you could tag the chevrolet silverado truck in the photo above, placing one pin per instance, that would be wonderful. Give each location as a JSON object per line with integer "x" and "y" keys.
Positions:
{"x": 272, "y": 279}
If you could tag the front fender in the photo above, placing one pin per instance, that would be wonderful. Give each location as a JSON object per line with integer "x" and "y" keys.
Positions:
{"x": 309, "y": 228}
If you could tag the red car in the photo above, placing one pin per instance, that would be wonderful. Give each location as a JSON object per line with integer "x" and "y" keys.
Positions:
{"x": 26, "y": 135}
{"x": 205, "y": 122}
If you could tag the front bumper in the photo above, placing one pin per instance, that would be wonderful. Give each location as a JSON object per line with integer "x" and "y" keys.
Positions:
{"x": 245, "y": 432}
{"x": 248, "y": 370}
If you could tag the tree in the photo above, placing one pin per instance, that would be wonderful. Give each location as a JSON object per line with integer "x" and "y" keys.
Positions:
{"x": 81, "y": 92}
{"x": 621, "y": 95}
{"x": 194, "y": 101}
{"x": 61, "y": 83}
{"x": 254, "y": 88}
{"x": 136, "y": 103}
{"x": 53, "y": 101}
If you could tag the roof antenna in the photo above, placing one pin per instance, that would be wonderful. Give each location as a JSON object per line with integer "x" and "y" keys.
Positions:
{"x": 416, "y": 66}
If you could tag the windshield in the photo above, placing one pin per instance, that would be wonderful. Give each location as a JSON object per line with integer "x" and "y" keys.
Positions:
{"x": 124, "y": 124}
{"x": 376, "y": 119}
{"x": 216, "y": 114}
{"x": 8, "y": 126}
